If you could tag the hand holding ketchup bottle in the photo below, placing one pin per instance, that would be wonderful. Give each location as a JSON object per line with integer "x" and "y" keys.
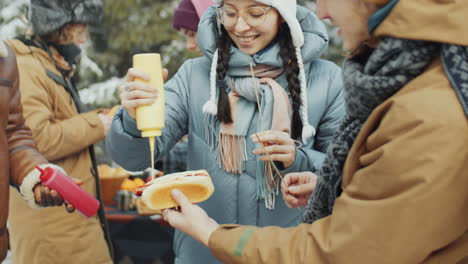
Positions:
{"x": 69, "y": 191}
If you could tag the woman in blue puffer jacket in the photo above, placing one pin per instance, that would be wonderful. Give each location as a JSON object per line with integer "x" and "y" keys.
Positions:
{"x": 258, "y": 105}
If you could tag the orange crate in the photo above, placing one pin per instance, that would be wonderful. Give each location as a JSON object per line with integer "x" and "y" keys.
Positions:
{"x": 110, "y": 179}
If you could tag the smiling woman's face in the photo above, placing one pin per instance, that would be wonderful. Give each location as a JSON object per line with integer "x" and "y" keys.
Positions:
{"x": 249, "y": 39}
{"x": 351, "y": 17}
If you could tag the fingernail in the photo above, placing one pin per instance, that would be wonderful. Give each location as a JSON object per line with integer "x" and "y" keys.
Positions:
{"x": 175, "y": 192}
{"x": 292, "y": 188}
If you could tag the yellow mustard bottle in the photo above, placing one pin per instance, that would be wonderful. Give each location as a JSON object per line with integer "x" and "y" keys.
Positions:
{"x": 150, "y": 118}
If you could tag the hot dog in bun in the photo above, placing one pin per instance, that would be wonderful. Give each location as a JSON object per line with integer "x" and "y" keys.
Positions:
{"x": 196, "y": 185}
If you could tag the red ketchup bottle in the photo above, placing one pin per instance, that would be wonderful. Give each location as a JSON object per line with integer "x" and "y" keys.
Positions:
{"x": 69, "y": 191}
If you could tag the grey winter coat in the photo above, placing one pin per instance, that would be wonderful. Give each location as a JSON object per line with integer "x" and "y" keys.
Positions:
{"x": 234, "y": 200}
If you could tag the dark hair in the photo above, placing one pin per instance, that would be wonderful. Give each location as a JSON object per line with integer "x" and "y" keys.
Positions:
{"x": 288, "y": 56}
{"x": 224, "y": 53}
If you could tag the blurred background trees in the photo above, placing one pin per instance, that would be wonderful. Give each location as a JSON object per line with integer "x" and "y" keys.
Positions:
{"x": 129, "y": 27}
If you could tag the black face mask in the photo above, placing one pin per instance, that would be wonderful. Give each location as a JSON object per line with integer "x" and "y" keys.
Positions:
{"x": 71, "y": 52}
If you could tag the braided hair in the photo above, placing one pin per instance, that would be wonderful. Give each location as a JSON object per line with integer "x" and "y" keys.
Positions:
{"x": 224, "y": 53}
{"x": 288, "y": 56}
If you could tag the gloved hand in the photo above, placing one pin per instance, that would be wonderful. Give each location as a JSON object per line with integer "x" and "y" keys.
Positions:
{"x": 46, "y": 197}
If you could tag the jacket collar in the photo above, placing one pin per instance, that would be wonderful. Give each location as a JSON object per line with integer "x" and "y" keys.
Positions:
{"x": 380, "y": 15}
{"x": 409, "y": 19}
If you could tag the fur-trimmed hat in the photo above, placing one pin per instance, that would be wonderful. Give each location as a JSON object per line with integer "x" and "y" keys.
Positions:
{"x": 47, "y": 16}
{"x": 287, "y": 9}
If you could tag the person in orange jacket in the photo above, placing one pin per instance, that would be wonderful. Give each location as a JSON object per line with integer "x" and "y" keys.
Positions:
{"x": 393, "y": 186}
{"x": 18, "y": 152}
{"x": 65, "y": 130}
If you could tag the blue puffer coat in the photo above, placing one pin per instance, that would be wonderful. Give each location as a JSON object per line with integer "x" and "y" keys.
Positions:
{"x": 234, "y": 200}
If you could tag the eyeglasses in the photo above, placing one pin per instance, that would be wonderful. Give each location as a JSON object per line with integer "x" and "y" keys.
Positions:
{"x": 254, "y": 16}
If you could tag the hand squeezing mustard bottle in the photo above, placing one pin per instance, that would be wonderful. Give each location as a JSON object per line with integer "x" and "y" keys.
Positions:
{"x": 150, "y": 118}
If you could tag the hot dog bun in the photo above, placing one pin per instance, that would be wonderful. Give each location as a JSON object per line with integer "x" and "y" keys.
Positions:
{"x": 196, "y": 185}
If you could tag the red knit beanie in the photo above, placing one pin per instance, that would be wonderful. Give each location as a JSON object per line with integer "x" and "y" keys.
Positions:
{"x": 185, "y": 16}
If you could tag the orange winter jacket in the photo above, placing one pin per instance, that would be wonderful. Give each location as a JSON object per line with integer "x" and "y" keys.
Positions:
{"x": 63, "y": 136}
{"x": 405, "y": 181}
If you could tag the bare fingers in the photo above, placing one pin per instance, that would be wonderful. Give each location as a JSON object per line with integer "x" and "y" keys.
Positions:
{"x": 132, "y": 104}
{"x": 134, "y": 73}
{"x": 289, "y": 179}
{"x": 277, "y": 148}
{"x": 297, "y": 187}
{"x": 135, "y": 98}
{"x": 272, "y": 137}
{"x": 136, "y": 92}
{"x": 58, "y": 201}
{"x": 70, "y": 208}
{"x": 46, "y": 199}
{"x": 294, "y": 202}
